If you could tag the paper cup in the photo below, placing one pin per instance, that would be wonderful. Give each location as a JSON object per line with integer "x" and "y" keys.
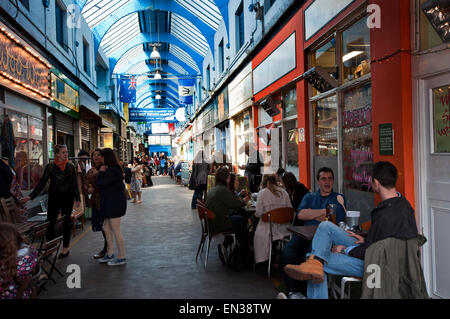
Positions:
{"x": 352, "y": 218}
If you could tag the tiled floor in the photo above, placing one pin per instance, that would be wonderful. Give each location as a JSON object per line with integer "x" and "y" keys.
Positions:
{"x": 161, "y": 238}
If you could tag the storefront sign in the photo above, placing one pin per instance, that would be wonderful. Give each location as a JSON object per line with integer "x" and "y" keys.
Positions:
{"x": 222, "y": 105}
{"x": 279, "y": 63}
{"x": 240, "y": 91}
{"x": 65, "y": 94}
{"x": 20, "y": 65}
{"x": 144, "y": 115}
{"x": 441, "y": 114}
{"x": 386, "y": 139}
{"x": 320, "y": 12}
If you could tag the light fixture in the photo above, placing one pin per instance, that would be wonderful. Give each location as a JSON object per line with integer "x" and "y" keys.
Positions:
{"x": 155, "y": 54}
{"x": 351, "y": 55}
{"x": 157, "y": 76}
{"x": 438, "y": 13}
{"x": 158, "y": 97}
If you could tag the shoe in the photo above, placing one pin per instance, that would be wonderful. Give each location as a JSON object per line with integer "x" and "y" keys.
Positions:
{"x": 312, "y": 269}
{"x": 282, "y": 295}
{"x": 106, "y": 258}
{"x": 117, "y": 262}
{"x": 222, "y": 253}
{"x": 296, "y": 295}
{"x": 61, "y": 255}
{"x": 100, "y": 255}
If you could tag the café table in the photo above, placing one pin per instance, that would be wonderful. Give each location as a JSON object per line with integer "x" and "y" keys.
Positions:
{"x": 306, "y": 232}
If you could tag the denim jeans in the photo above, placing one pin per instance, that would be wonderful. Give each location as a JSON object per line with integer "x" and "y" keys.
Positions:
{"x": 294, "y": 254}
{"x": 198, "y": 194}
{"x": 327, "y": 236}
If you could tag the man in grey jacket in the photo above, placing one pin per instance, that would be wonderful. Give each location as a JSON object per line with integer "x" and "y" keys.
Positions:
{"x": 338, "y": 252}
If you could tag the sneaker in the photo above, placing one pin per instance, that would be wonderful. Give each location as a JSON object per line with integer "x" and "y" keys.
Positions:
{"x": 312, "y": 269}
{"x": 117, "y": 262}
{"x": 296, "y": 295}
{"x": 222, "y": 253}
{"x": 106, "y": 259}
{"x": 282, "y": 295}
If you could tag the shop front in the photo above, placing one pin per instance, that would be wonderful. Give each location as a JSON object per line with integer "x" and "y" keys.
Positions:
{"x": 431, "y": 109}
{"x": 279, "y": 117}
{"x": 222, "y": 149}
{"x": 90, "y": 121}
{"x": 64, "y": 114}
{"x": 24, "y": 98}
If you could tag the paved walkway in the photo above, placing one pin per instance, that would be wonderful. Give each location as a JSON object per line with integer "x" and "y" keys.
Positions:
{"x": 161, "y": 238}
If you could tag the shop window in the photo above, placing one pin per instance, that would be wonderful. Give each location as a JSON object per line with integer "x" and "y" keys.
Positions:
{"x": 325, "y": 57}
{"x": 325, "y": 136}
{"x": 356, "y": 51}
{"x": 208, "y": 78}
{"x": 358, "y": 148}
{"x": 289, "y": 103}
{"x": 36, "y": 151}
{"x": 428, "y": 36}
{"x": 292, "y": 147}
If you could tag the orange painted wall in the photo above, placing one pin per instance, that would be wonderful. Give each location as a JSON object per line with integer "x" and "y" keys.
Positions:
{"x": 392, "y": 88}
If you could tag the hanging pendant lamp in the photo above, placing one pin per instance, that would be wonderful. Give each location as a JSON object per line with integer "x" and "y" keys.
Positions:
{"x": 155, "y": 54}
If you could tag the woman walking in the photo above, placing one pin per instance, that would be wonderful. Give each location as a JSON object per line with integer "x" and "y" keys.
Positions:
{"x": 136, "y": 180}
{"x": 94, "y": 201}
{"x": 113, "y": 205}
{"x": 62, "y": 193}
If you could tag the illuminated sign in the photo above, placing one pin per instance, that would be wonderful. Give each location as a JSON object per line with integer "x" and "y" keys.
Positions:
{"x": 19, "y": 64}
{"x": 65, "y": 94}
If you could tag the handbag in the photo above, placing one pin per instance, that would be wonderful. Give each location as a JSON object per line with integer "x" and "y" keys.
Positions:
{"x": 192, "y": 182}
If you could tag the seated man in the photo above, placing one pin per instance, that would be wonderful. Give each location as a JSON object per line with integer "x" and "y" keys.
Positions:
{"x": 338, "y": 252}
{"x": 220, "y": 200}
{"x": 311, "y": 211}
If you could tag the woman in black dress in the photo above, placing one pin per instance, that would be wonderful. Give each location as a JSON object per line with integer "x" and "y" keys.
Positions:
{"x": 113, "y": 205}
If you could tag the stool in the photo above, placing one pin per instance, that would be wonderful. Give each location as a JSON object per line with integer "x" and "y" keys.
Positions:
{"x": 341, "y": 289}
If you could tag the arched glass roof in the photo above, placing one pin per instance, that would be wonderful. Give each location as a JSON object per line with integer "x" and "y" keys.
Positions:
{"x": 127, "y": 30}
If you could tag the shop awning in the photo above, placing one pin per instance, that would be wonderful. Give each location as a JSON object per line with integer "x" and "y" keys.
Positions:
{"x": 89, "y": 116}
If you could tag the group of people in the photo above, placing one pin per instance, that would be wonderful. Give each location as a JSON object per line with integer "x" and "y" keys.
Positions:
{"x": 333, "y": 250}
{"x": 69, "y": 185}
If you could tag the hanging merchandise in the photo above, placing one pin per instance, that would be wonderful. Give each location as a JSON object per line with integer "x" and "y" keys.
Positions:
{"x": 8, "y": 141}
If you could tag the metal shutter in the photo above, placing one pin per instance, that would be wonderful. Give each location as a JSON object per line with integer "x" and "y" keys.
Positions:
{"x": 64, "y": 123}
{"x": 85, "y": 131}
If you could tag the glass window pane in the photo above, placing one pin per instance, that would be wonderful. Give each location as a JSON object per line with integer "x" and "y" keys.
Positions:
{"x": 356, "y": 50}
{"x": 292, "y": 147}
{"x": 290, "y": 103}
{"x": 325, "y": 136}
{"x": 325, "y": 57}
{"x": 441, "y": 119}
{"x": 358, "y": 149}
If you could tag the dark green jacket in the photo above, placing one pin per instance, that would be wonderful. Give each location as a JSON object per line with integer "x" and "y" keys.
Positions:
{"x": 220, "y": 199}
{"x": 400, "y": 271}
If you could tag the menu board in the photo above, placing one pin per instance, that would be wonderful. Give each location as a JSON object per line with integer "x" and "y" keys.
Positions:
{"x": 357, "y": 138}
{"x": 441, "y": 119}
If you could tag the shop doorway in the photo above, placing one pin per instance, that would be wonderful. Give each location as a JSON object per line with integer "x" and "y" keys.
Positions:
{"x": 433, "y": 185}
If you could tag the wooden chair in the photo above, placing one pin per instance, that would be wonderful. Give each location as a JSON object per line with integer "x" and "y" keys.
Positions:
{"x": 38, "y": 233}
{"x": 205, "y": 215}
{"x": 283, "y": 215}
{"x": 9, "y": 210}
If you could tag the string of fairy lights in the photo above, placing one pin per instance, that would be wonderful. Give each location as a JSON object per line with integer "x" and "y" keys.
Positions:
{"x": 11, "y": 78}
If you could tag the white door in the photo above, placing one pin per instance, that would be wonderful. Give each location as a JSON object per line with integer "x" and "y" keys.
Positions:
{"x": 434, "y": 179}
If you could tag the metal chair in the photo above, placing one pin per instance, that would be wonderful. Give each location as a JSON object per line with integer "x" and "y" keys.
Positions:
{"x": 49, "y": 255}
{"x": 205, "y": 215}
{"x": 283, "y": 215}
{"x": 336, "y": 289}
